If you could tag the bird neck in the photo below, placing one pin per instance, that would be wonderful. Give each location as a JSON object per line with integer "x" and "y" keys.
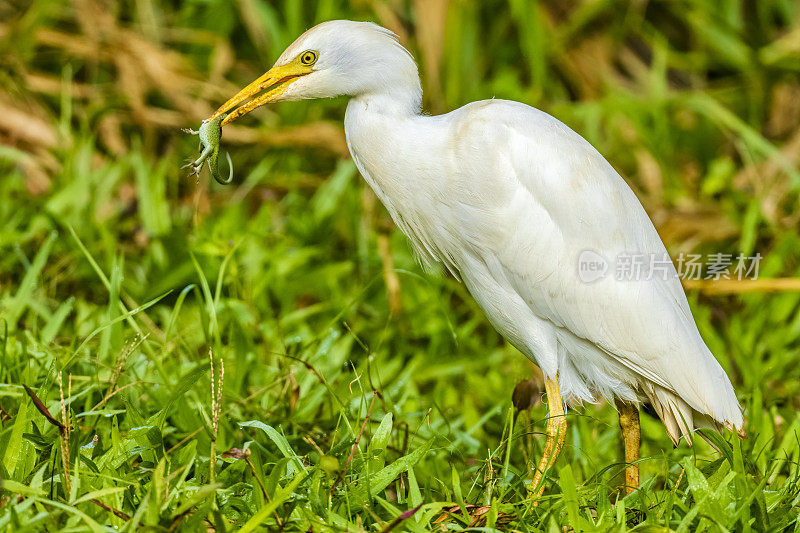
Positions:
{"x": 401, "y": 100}
{"x": 386, "y": 137}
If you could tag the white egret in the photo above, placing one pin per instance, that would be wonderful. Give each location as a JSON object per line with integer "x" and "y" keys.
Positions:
{"x": 508, "y": 199}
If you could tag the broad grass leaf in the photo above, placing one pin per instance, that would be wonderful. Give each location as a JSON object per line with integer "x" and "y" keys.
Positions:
{"x": 381, "y": 479}
{"x": 705, "y": 499}
{"x": 13, "y": 451}
{"x": 280, "y": 496}
{"x": 571, "y": 499}
{"x": 279, "y": 440}
{"x": 414, "y": 493}
{"x": 184, "y": 385}
{"x": 380, "y": 439}
{"x": 18, "y": 488}
{"x": 456, "y": 480}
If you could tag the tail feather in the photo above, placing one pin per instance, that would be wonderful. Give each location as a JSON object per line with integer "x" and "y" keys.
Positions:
{"x": 673, "y": 412}
{"x": 679, "y": 418}
{"x": 706, "y": 389}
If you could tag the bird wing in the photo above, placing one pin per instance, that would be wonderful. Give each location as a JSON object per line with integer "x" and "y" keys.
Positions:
{"x": 535, "y": 196}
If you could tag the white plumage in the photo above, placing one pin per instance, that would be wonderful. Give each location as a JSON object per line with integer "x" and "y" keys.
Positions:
{"x": 507, "y": 198}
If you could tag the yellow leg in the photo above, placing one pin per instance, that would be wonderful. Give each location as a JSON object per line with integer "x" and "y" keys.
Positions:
{"x": 556, "y": 433}
{"x": 631, "y": 435}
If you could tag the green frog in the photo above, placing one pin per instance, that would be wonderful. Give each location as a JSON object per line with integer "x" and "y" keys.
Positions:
{"x": 210, "y": 135}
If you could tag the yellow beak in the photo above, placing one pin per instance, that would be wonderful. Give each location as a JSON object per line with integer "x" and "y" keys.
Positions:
{"x": 279, "y": 78}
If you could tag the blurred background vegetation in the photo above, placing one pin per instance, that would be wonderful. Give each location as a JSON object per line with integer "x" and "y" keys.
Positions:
{"x": 118, "y": 273}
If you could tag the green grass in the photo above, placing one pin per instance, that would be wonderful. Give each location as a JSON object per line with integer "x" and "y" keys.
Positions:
{"x": 118, "y": 275}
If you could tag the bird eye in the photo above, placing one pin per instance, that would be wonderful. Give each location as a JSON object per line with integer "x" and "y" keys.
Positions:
{"x": 308, "y": 58}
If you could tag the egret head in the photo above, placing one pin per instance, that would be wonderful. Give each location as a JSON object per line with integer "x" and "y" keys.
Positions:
{"x": 338, "y": 57}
